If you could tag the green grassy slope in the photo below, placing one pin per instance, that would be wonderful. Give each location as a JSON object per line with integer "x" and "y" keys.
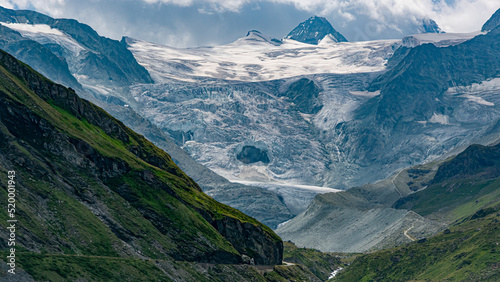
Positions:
{"x": 451, "y": 200}
{"x": 465, "y": 193}
{"x": 88, "y": 185}
{"x": 462, "y": 185}
{"x": 468, "y": 251}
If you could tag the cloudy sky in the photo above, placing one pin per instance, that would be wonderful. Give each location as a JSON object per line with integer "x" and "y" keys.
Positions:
{"x": 189, "y": 23}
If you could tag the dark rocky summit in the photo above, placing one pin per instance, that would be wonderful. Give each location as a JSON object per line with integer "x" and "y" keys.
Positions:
{"x": 430, "y": 26}
{"x": 313, "y": 30}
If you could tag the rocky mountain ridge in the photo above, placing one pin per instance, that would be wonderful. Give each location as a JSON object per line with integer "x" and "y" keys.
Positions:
{"x": 99, "y": 58}
{"x": 492, "y": 22}
{"x": 430, "y": 26}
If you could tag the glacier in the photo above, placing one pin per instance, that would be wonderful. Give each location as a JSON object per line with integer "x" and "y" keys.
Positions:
{"x": 215, "y": 100}
{"x": 218, "y": 99}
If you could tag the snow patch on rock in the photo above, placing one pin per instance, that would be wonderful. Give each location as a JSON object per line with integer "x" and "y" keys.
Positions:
{"x": 441, "y": 119}
{"x": 438, "y": 39}
{"x": 45, "y": 34}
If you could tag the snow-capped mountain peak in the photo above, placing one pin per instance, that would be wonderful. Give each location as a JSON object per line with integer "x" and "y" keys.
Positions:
{"x": 256, "y": 33}
{"x": 313, "y": 30}
{"x": 257, "y": 36}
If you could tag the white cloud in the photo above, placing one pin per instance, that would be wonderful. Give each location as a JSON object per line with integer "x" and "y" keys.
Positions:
{"x": 182, "y": 3}
{"x": 50, "y": 7}
{"x": 7, "y": 4}
{"x": 464, "y": 15}
{"x": 217, "y": 6}
{"x": 459, "y": 16}
{"x": 450, "y": 15}
{"x": 356, "y": 19}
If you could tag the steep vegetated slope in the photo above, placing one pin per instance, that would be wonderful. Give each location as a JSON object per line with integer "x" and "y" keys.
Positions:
{"x": 101, "y": 70}
{"x": 87, "y": 185}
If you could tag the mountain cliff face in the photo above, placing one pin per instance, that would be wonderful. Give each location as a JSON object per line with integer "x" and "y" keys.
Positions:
{"x": 431, "y": 100}
{"x": 313, "y": 30}
{"x": 73, "y": 54}
{"x": 435, "y": 70}
{"x": 88, "y": 185}
{"x": 492, "y": 22}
